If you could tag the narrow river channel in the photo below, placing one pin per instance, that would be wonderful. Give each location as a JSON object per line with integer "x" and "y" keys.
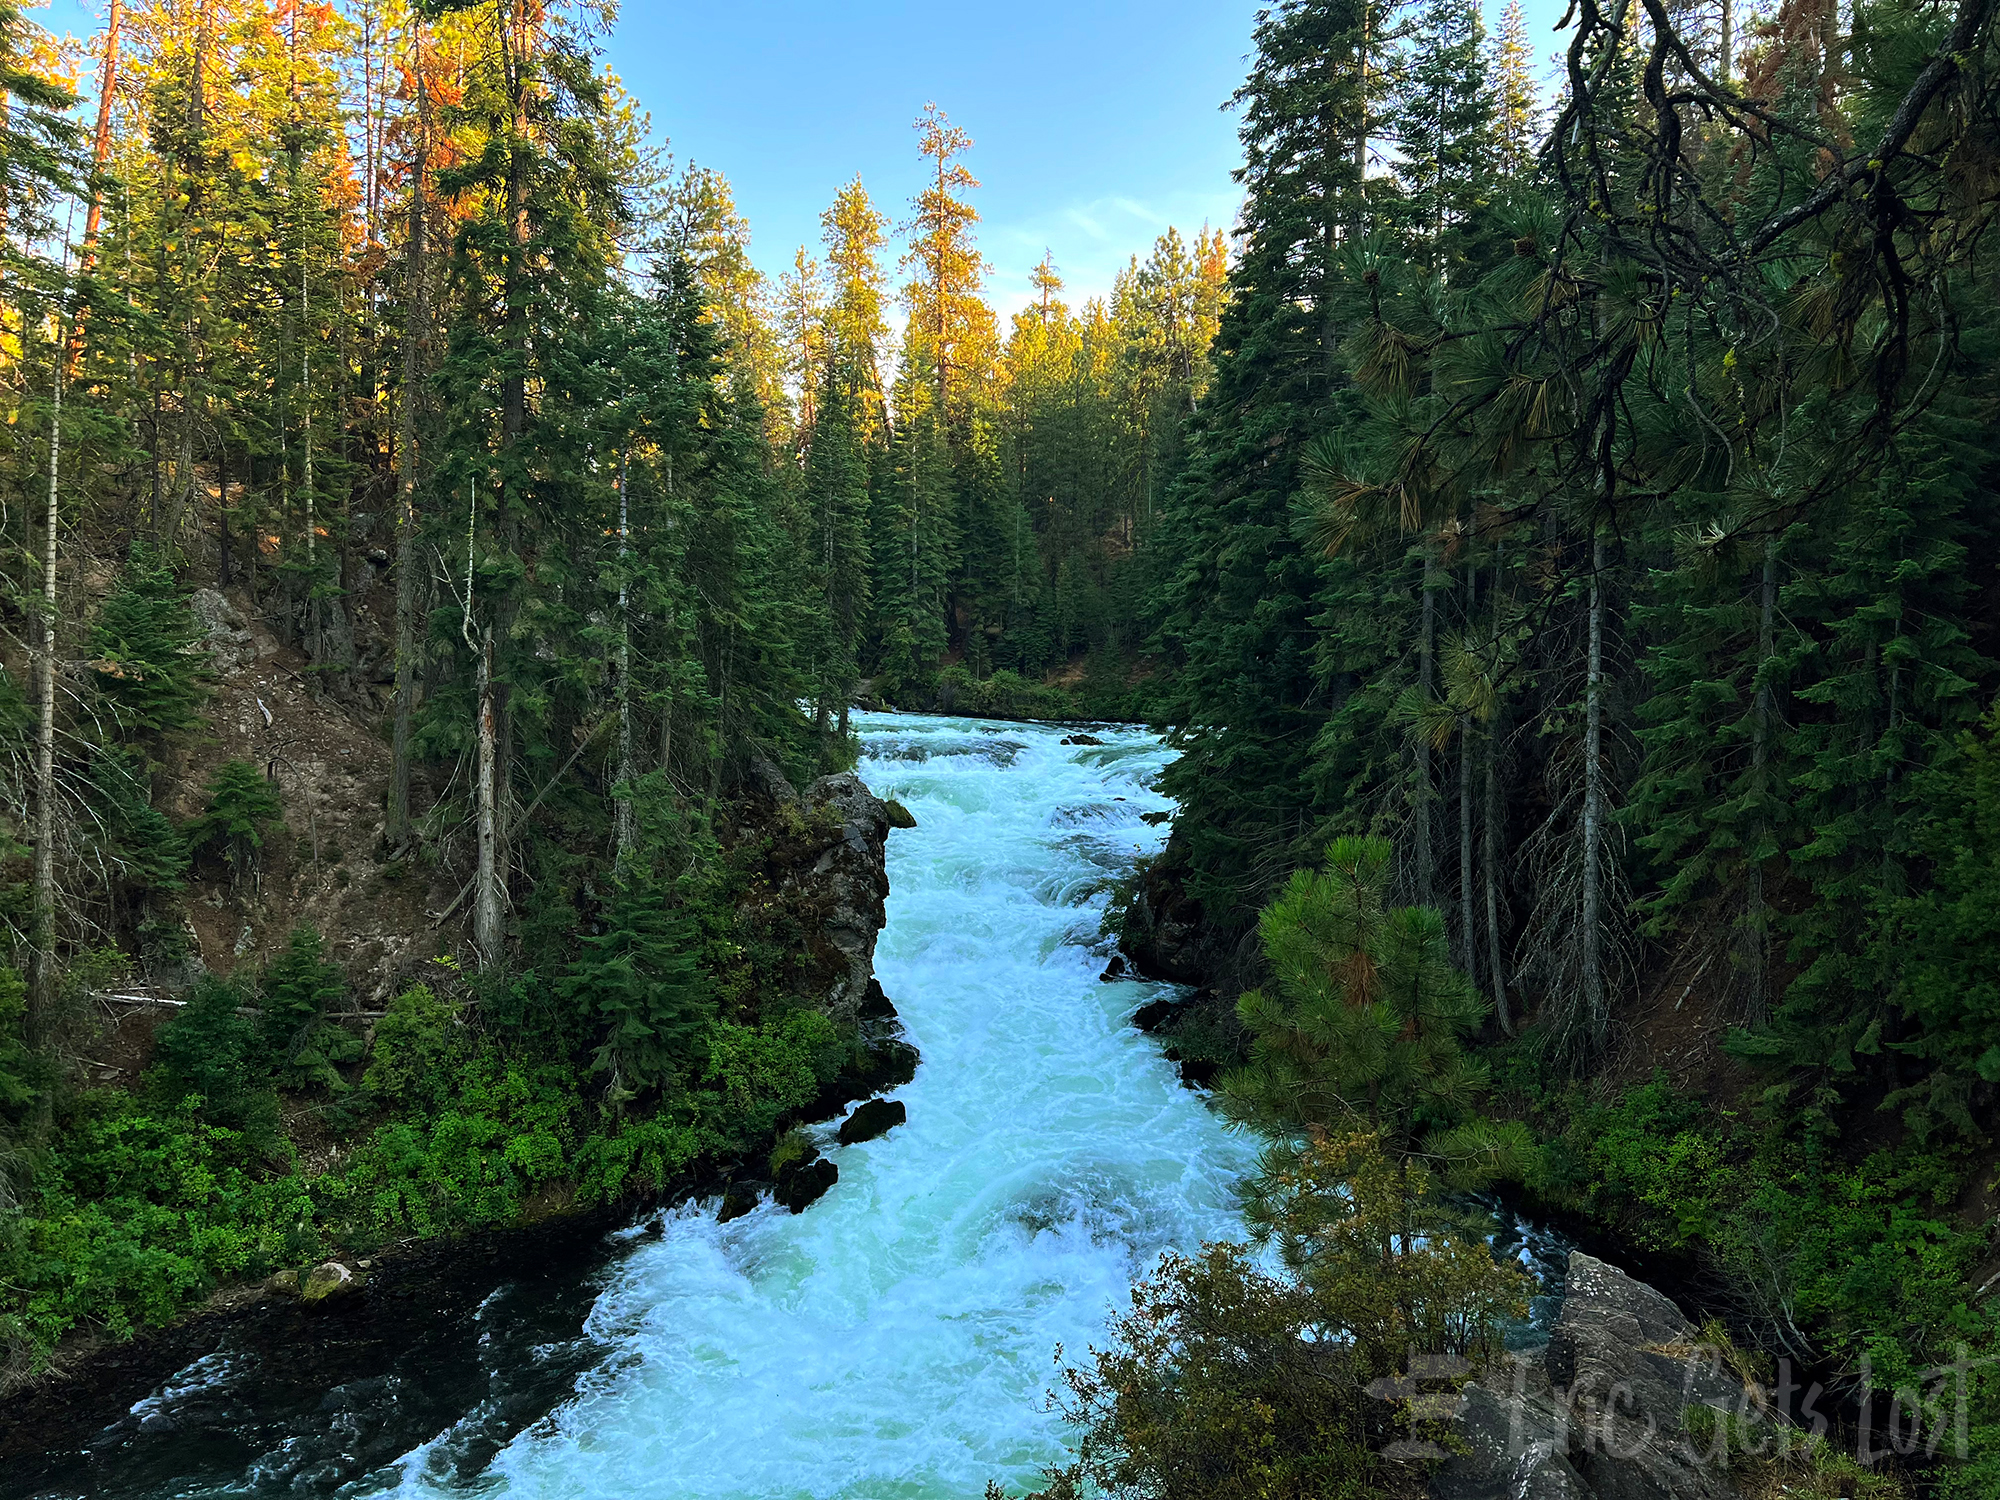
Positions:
{"x": 894, "y": 1341}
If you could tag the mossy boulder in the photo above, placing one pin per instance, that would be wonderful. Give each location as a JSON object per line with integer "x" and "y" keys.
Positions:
{"x": 328, "y": 1280}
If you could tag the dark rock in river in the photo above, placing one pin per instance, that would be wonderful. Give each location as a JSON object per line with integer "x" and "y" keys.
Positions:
{"x": 899, "y": 815}
{"x": 876, "y": 1117}
{"x": 805, "y": 1185}
{"x": 1113, "y": 970}
{"x": 1601, "y": 1414}
{"x": 740, "y": 1198}
{"x": 1081, "y": 739}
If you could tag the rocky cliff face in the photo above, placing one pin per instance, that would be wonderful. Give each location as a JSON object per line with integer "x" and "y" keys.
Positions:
{"x": 820, "y": 882}
{"x": 1166, "y": 934}
{"x": 1603, "y": 1412}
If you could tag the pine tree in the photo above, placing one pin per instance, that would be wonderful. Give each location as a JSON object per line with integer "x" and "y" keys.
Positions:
{"x": 1512, "y": 69}
{"x": 1366, "y": 1021}
{"x": 639, "y": 975}
{"x": 1444, "y": 122}
{"x": 241, "y": 806}
{"x": 297, "y": 987}
{"x": 950, "y": 327}
{"x": 836, "y": 501}
{"x": 144, "y": 651}
{"x": 856, "y": 326}
{"x": 529, "y": 287}
{"x": 802, "y": 326}
{"x": 1236, "y": 584}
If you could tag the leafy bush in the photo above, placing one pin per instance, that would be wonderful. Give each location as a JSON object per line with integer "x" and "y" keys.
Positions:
{"x": 417, "y": 1046}
{"x": 755, "y": 1076}
{"x": 1824, "y": 1256}
{"x": 510, "y": 1128}
{"x": 211, "y": 1059}
{"x": 19, "y": 1070}
{"x": 139, "y": 1213}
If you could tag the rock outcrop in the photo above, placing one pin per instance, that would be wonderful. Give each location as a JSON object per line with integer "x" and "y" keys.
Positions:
{"x": 1600, "y": 1413}
{"x": 851, "y": 881}
{"x": 824, "y": 881}
{"x": 1163, "y": 930}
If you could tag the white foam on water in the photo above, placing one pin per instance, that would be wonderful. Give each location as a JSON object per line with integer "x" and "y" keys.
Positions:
{"x": 895, "y": 1340}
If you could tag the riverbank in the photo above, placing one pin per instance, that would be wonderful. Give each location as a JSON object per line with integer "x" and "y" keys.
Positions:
{"x": 1857, "y": 1253}
{"x": 413, "y": 1300}
{"x": 457, "y": 1109}
{"x": 1077, "y": 696}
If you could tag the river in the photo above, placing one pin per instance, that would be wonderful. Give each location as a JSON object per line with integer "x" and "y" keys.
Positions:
{"x": 894, "y": 1341}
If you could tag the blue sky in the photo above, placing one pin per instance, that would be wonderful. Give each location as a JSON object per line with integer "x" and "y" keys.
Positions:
{"x": 1096, "y": 123}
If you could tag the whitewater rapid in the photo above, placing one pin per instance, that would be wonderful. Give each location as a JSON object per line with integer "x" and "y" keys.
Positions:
{"x": 895, "y": 1341}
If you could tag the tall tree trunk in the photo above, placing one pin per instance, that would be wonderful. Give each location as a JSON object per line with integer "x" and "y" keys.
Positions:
{"x": 1597, "y": 1014}
{"x": 1495, "y": 831}
{"x": 42, "y": 986}
{"x": 1426, "y": 687}
{"x": 1361, "y": 70}
{"x": 1468, "y": 925}
{"x": 222, "y": 579}
{"x": 516, "y": 40}
{"x": 1496, "y": 963}
{"x": 627, "y": 825}
{"x": 100, "y": 153}
{"x": 416, "y": 297}
{"x": 488, "y": 899}
{"x": 1757, "y": 1004}
{"x": 311, "y": 509}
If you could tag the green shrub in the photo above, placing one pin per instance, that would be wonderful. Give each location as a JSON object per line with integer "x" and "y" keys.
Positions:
{"x": 137, "y": 1214}
{"x": 416, "y": 1050}
{"x": 211, "y": 1054}
{"x": 1857, "y": 1257}
{"x": 755, "y": 1076}
{"x": 20, "y": 1072}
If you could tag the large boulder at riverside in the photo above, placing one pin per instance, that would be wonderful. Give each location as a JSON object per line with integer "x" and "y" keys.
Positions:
{"x": 1600, "y": 1413}
{"x": 804, "y": 1180}
{"x": 820, "y": 893}
{"x": 327, "y": 1281}
{"x": 1165, "y": 933}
